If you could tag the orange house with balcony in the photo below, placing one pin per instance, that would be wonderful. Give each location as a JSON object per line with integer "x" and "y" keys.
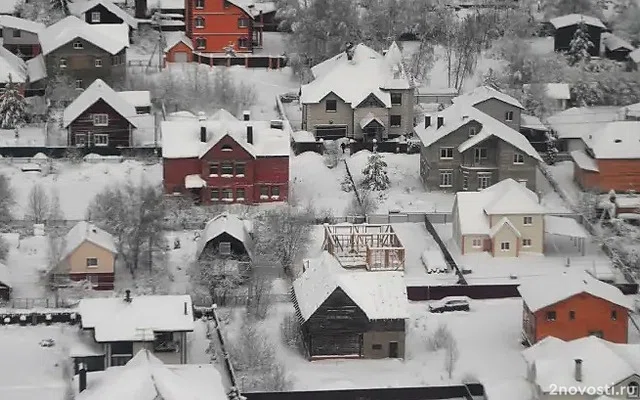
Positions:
{"x": 216, "y": 25}
{"x": 572, "y": 306}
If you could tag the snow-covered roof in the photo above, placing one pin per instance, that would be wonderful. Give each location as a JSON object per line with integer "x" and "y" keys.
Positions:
{"x": 10, "y": 64}
{"x": 5, "y": 275}
{"x": 112, "y": 38}
{"x": 173, "y": 38}
{"x": 549, "y": 290}
{"x": 532, "y": 122}
{"x": 137, "y": 98}
{"x": 8, "y": 6}
{"x": 85, "y": 231}
{"x": 575, "y": 122}
{"x": 603, "y": 363}
{"x": 459, "y": 115}
{"x": 508, "y": 389}
{"x": 613, "y": 42}
{"x": 484, "y": 93}
{"x": 114, "y": 319}
{"x": 145, "y": 377}
{"x": 575, "y": 19}
{"x": 554, "y": 91}
{"x": 632, "y": 110}
{"x": 181, "y": 137}
{"x": 380, "y": 295}
{"x": 368, "y": 73}
{"x": 584, "y": 161}
{"x": 82, "y": 7}
{"x": 99, "y": 90}
{"x": 437, "y": 91}
{"x": 635, "y": 56}
{"x": 506, "y": 197}
{"x": 370, "y": 117}
{"x": 36, "y": 68}
{"x": 504, "y": 221}
{"x": 615, "y": 140}
{"x": 564, "y": 226}
{"x": 9, "y": 21}
{"x": 225, "y": 223}
{"x": 194, "y": 181}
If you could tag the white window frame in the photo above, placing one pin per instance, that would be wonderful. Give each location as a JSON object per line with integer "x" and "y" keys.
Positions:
{"x": 95, "y": 17}
{"x": 396, "y": 94}
{"x": 224, "y": 248}
{"x": 526, "y": 242}
{"x": 476, "y": 243}
{"x": 244, "y": 193}
{"x": 201, "y": 43}
{"x": 92, "y": 266}
{"x": 446, "y": 150}
{"x": 83, "y": 141}
{"x": 101, "y": 139}
{"x": 100, "y": 119}
{"x": 518, "y": 158}
{"x": 199, "y": 4}
{"x": 78, "y": 45}
{"x": 523, "y": 182}
{"x": 97, "y": 62}
{"x": 62, "y": 63}
{"x": 505, "y": 246}
{"x": 196, "y": 20}
{"x": 443, "y": 180}
{"x": 508, "y": 116}
{"x": 226, "y": 190}
{"x": 527, "y": 221}
{"x": 482, "y": 176}
{"x": 477, "y": 153}
{"x": 245, "y": 24}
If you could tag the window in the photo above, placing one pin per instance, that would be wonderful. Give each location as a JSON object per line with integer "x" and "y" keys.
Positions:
{"x": 215, "y": 194}
{"x": 243, "y": 43}
{"x": 227, "y": 194}
{"x": 572, "y": 315}
{"x": 213, "y": 168}
{"x": 224, "y": 248}
{"x": 100, "y": 119}
{"x": 81, "y": 139}
{"x": 92, "y": 262}
{"x": 243, "y": 22}
{"x": 62, "y": 63}
{"x": 518, "y": 158}
{"x": 198, "y": 22}
{"x": 264, "y": 190}
{"x": 101, "y": 139}
{"x": 78, "y": 83}
{"x": 226, "y": 147}
{"x": 526, "y": 242}
{"x": 480, "y": 153}
{"x": 484, "y": 179}
{"x": 199, "y": 3}
{"x": 331, "y": 105}
{"x": 117, "y": 60}
{"x": 614, "y": 315}
{"x": 227, "y": 168}
{"x": 95, "y": 17}
{"x": 508, "y": 116}
{"x": 523, "y": 182}
{"x": 472, "y": 131}
{"x": 97, "y": 63}
{"x": 396, "y": 99}
{"x": 551, "y": 315}
{"x": 275, "y": 191}
{"x": 201, "y": 43}
{"x": 465, "y": 181}
{"x": 446, "y": 178}
{"x": 446, "y": 153}
{"x": 17, "y": 33}
{"x": 527, "y": 220}
{"x": 240, "y": 168}
{"x": 240, "y": 194}
{"x": 505, "y": 246}
{"x": 78, "y": 45}
{"x": 476, "y": 243}
{"x": 163, "y": 342}
{"x": 376, "y": 347}
{"x": 395, "y": 121}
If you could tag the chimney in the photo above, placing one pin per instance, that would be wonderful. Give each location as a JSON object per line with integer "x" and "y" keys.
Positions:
{"x": 249, "y": 134}
{"x": 127, "y": 296}
{"x": 440, "y": 122}
{"x": 82, "y": 378}
{"x": 202, "y": 118}
{"x": 427, "y": 121}
{"x": 185, "y": 308}
{"x": 578, "y": 370}
{"x": 246, "y": 115}
{"x": 349, "y": 50}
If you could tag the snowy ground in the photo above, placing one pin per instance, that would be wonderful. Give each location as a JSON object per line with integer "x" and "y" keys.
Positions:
{"x": 562, "y": 173}
{"x": 27, "y": 263}
{"x": 33, "y": 135}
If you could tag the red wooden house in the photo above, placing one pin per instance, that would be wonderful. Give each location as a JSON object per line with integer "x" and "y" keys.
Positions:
{"x": 214, "y": 25}
{"x": 222, "y": 159}
{"x": 100, "y": 117}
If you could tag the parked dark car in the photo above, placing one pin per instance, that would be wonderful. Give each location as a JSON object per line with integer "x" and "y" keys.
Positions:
{"x": 453, "y": 303}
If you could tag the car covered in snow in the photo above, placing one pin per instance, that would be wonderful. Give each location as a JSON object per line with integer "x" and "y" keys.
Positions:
{"x": 451, "y": 303}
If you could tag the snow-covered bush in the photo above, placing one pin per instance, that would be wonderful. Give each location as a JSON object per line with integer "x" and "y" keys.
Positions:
{"x": 580, "y": 45}
{"x": 551, "y": 154}
{"x": 291, "y": 333}
{"x": 440, "y": 338}
{"x": 13, "y": 107}
{"x": 375, "y": 173}
{"x": 346, "y": 185}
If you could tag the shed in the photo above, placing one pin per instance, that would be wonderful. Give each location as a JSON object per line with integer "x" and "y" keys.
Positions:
{"x": 566, "y": 26}
{"x": 616, "y": 48}
{"x": 226, "y": 235}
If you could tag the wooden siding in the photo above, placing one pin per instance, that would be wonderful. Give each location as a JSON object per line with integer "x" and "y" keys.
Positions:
{"x": 106, "y": 16}
{"x": 119, "y": 129}
{"x": 498, "y": 109}
{"x": 175, "y": 170}
{"x": 170, "y": 55}
{"x": 238, "y": 250}
{"x": 619, "y": 175}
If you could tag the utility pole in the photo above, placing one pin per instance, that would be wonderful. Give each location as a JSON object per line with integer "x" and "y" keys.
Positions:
{"x": 157, "y": 18}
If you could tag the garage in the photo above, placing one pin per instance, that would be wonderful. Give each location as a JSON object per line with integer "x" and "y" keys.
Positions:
{"x": 348, "y": 344}
{"x": 180, "y": 57}
{"x": 330, "y": 132}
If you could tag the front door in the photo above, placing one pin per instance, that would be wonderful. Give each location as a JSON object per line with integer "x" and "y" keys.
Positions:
{"x": 393, "y": 349}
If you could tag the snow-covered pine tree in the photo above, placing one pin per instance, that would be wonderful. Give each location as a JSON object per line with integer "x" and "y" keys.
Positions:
{"x": 60, "y": 5}
{"x": 580, "y": 45}
{"x": 552, "y": 148}
{"x": 13, "y": 107}
{"x": 375, "y": 173}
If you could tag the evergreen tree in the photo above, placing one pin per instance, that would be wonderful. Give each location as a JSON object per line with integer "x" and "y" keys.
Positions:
{"x": 60, "y": 5}
{"x": 580, "y": 45}
{"x": 552, "y": 148}
{"x": 13, "y": 107}
{"x": 375, "y": 173}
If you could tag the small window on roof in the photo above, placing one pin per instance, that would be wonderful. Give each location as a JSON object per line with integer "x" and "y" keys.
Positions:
{"x": 227, "y": 147}
{"x": 224, "y": 248}
{"x": 78, "y": 45}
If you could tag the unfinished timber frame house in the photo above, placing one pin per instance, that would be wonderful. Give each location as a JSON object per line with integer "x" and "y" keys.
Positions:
{"x": 374, "y": 247}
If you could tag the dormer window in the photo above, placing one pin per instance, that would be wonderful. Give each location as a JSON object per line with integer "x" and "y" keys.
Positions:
{"x": 472, "y": 131}
{"x": 508, "y": 116}
{"x": 95, "y": 17}
{"x": 78, "y": 45}
{"x": 227, "y": 147}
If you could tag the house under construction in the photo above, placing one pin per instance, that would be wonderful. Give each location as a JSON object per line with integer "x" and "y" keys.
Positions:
{"x": 374, "y": 247}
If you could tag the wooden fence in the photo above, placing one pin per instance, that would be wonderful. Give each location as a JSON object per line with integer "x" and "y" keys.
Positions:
{"x": 246, "y": 60}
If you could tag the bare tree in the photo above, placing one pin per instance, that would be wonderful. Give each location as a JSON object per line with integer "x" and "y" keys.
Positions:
{"x": 55, "y": 215}
{"x": 363, "y": 205}
{"x": 451, "y": 355}
{"x": 439, "y": 339}
{"x": 211, "y": 278}
{"x": 259, "y": 296}
{"x": 7, "y": 200}
{"x": 37, "y": 204}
